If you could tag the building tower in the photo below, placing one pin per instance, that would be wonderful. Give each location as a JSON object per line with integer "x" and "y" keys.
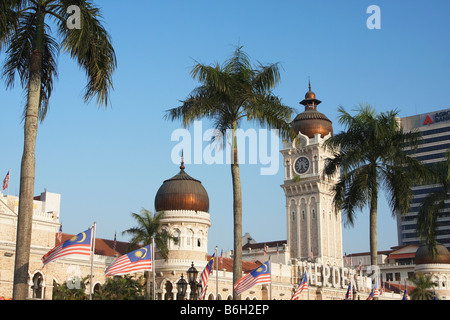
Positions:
{"x": 314, "y": 229}
{"x": 185, "y": 204}
{"x": 434, "y": 127}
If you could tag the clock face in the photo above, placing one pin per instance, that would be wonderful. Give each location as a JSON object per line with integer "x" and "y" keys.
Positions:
{"x": 301, "y": 165}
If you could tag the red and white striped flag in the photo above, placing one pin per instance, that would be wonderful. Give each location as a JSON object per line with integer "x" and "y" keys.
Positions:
{"x": 205, "y": 275}
{"x": 258, "y": 276}
{"x": 302, "y": 286}
{"x": 349, "y": 294}
{"x": 6, "y": 181}
{"x": 138, "y": 260}
{"x": 79, "y": 244}
{"x": 59, "y": 234}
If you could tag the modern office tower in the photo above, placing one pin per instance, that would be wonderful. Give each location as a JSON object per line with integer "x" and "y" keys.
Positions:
{"x": 435, "y": 128}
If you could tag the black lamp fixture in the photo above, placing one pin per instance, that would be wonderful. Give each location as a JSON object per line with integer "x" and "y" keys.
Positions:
{"x": 181, "y": 287}
{"x": 192, "y": 279}
{"x": 192, "y": 273}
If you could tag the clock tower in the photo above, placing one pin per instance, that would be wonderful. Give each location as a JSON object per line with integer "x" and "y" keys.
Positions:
{"x": 314, "y": 228}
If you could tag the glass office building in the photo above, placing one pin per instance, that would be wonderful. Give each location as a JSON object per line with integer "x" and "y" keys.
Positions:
{"x": 435, "y": 128}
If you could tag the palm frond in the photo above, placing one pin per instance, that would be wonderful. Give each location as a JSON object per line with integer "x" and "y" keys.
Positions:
{"x": 91, "y": 47}
{"x": 9, "y": 19}
{"x": 269, "y": 112}
{"x": 267, "y": 77}
{"x": 18, "y": 59}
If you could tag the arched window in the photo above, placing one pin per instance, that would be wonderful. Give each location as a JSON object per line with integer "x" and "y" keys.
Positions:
{"x": 199, "y": 239}
{"x": 37, "y": 290}
{"x": 189, "y": 237}
{"x": 177, "y": 235}
{"x": 168, "y": 288}
{"x": 97, "y": 287}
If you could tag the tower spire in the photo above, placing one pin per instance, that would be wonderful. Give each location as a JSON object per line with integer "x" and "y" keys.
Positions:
{"x": 182, "y": 160}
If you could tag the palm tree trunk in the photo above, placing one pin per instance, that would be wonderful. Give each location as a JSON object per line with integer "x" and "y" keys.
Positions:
{"x": 373, "y": 227}
{"x": 27, "y": 170}
{"x": 237, "y": 214}
{"x": 148, "y": 285}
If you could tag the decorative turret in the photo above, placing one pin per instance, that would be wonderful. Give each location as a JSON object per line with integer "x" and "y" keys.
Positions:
{"x": 311, "y": 121}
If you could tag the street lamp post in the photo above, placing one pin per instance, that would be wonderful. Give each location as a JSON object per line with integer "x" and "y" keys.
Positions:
{"x": 196, "y": 287}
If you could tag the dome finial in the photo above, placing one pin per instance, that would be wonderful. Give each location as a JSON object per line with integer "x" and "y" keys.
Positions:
{"x": 182, "y": 167}
{"x": 309, "y": 84}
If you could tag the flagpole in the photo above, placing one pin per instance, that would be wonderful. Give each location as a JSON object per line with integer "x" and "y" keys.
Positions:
{"x": 217, "y": 275}
{"x": 92, "y": 259}
{"x": 270, "y": 268}
{"x": 308, "y": 287}
{"x": 153, "y": 268}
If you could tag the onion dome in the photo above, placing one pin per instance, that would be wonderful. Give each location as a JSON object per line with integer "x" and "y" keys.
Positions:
{"x": 311, "y": 121}
{"x": 424, "y": 256}
{"x": 182, "y": 192}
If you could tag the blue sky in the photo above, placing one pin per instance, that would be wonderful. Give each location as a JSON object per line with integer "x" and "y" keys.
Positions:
{"x": 109, "y": 163}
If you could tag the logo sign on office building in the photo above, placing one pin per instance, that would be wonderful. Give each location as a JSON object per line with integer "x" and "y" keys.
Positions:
{"x": 440, "y": 116}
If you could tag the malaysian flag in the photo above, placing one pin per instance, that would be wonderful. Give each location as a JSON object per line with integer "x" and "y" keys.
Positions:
{"x": 137, "y": 260}
{"x": 59, "y": 234}
{"x": 405, "y": 294}
{"x": 6, "y": 181}
{"x": 257, "y": 276}
{"x": 371, "y": 295}
{"x": 302, "y": 286}
{"x": 349, "y": 294}
{"x": 205, "y": 275}
{"x": 79, "y": 244}
{"x": 375, "y": 289}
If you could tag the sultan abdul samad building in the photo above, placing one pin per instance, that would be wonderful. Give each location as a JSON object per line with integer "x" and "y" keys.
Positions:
{"x": 313, "y": 237}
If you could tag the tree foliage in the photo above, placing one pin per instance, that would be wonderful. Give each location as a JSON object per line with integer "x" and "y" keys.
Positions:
{"x": 229, "y": 94}
{"x": 433, "y": 205}
{"x": 121, "y": 288}
{"x": 370, "y": 156}
{"x": 423, "y": 284}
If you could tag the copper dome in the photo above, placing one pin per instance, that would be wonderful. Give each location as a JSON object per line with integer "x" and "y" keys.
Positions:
{"x": 312, "y": 121}
{"x": 182, "y": 192}
{"x": 423, "y": 255}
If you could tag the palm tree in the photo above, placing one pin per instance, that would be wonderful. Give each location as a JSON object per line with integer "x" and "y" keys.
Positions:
{"x": 369, "y": 156}
{"x": 423, "y": 285}
{"x": 148, "y": 227}
{"x": 31, "y": 52}
{"x": 434, "y": 204}
{"x": 227, "y": 95}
